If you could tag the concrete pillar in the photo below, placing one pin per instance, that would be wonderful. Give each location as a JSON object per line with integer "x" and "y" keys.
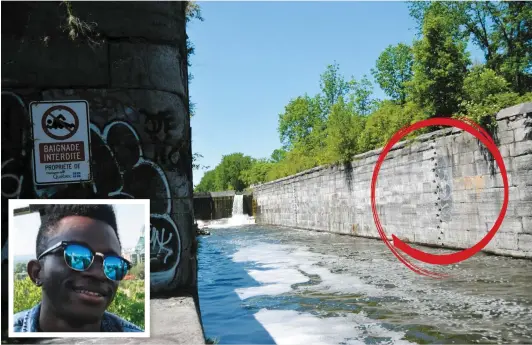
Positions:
{"x": 129, "y": 61}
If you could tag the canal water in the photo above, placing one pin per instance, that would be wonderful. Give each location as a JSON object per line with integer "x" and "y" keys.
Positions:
{"x": 268, "y": 285}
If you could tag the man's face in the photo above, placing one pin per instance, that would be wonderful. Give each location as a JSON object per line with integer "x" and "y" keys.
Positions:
{"x": 69, "y": 291}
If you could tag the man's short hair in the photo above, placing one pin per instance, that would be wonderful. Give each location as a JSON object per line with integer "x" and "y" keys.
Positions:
{"x": 54, "y": 213}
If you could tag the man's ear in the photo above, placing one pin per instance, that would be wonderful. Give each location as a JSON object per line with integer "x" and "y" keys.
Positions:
{"x": 34, "y": 271}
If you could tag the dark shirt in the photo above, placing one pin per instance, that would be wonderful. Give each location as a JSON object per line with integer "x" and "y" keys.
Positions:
{"x": 28, "y": 321}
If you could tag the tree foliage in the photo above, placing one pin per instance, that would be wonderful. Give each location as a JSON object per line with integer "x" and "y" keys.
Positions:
{"x": 431, "y": 77}
{"x": 227, "y": 175}
{"x": 361, "y": 96}
{"x": 192, "y": 12}
{"x": 20, "y": 267}
{"x": 440, "y": 66}
{"x": 393, "y": 69}
{"x": 344, "y": 125}
{"x": 138, "y": 271}
{"x": 333, "y": 86}
{"x": 302, "y": 117}
{"x": 278, "y": 155}
{"x": 501, "y": 29}
{"x": 207, "y": 183}
{"x": 257, "y": 173}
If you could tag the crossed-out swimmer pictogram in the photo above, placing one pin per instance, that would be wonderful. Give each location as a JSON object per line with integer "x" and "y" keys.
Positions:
{"x": 52, "y": 122}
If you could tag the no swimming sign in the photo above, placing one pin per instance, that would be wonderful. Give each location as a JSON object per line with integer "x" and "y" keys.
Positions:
{"x": 61, "y": 142}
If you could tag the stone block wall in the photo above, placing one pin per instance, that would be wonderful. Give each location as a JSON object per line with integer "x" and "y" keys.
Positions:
{"x": 442, "y": 189}
{"x": 133, "y": 73}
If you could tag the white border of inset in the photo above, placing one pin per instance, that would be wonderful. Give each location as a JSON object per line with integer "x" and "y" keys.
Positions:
{"x": 15, "y": 203}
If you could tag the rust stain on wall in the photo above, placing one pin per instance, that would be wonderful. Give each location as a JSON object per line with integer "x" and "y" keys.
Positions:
{"x": 476, "y": 183}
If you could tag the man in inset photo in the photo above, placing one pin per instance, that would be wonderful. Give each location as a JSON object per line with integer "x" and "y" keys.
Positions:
{"x": 78, "y": 268}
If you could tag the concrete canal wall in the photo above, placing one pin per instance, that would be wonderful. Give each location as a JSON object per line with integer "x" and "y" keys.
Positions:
{"x": 442, "y": 189}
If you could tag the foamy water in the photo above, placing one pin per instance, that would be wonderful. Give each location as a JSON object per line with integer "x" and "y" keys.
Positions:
{"x": 318, "y": 288}
{"x": 234, "y": 221}
{"x": 291, "y": 327}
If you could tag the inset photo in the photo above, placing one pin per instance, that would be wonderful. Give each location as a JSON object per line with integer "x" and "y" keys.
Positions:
{"x": 78, "y": 268}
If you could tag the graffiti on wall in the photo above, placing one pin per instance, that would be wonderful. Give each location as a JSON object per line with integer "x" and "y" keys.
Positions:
{"x": 159, "y": 126}
{"x": 120, "y": 170}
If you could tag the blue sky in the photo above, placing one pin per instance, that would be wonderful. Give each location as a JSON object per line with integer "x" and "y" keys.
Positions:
{"x": 253, "y": 57}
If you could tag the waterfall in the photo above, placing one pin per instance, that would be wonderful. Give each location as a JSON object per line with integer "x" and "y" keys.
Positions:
{"x": 238, "y": 218}
{"x": 238, "y": 205}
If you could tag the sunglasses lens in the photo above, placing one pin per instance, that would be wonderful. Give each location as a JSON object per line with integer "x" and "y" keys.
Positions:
{"x": 78, "y": 257}
{"x": 115, "y": 268}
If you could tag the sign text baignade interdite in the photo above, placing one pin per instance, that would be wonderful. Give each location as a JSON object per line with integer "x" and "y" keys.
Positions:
{"x": 61, "y": 145}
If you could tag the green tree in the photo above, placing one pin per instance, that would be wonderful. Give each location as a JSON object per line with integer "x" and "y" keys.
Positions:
{"x": 129, "y": 301}
{"x": 297, "y": 160}
{"x": 361, "y": 96}
{"x": 343, "y": 128}
{"x": 485, "y": 93}
{"x": 440, "y": 66}
{"x": 207, "y": 183}
{"x": 229, "y": 172}
{"x": 25, "y": 294}
{"x": 485, "y": 112}
{"x": 257, "y": 173}
{"x": 278, "y": 155}
{"x": 301, "y": 117}
{"x": 482, "y": 82}
{"x": 393, "y": 69}
{"x": 20, "y": 267}
{"x": 513, "y": 33}
{"x": 501, "y": 29}
{"x": 386, "y": 121}
{"x": 333, "y": 86}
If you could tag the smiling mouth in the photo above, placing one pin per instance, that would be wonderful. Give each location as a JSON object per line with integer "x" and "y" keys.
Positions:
{"x": 89, "y": 293}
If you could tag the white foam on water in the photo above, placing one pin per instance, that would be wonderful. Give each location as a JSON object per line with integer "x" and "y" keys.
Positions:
{"x": 264, "y": 290}
{"x": 339, "y": 283}
{"x": 224, "y": 223}
{"x": 271, "y": 255}
{"x": 286, "y": 263}
{"x": 285, "y": 275}
{"x": 376, "y": 277}
{"x": 291, "y": 327}
{"x": 278, "y": 281}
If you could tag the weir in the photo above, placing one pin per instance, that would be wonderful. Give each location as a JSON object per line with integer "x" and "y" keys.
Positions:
{"x": 238, "y": 205}
{"x": 218, "y": 205}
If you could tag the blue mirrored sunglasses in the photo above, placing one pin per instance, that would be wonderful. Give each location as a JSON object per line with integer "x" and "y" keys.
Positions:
{"x": 79, "y": 257}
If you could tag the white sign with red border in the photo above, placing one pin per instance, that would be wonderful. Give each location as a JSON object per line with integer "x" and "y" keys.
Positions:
{"x": 61, "y": 142}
